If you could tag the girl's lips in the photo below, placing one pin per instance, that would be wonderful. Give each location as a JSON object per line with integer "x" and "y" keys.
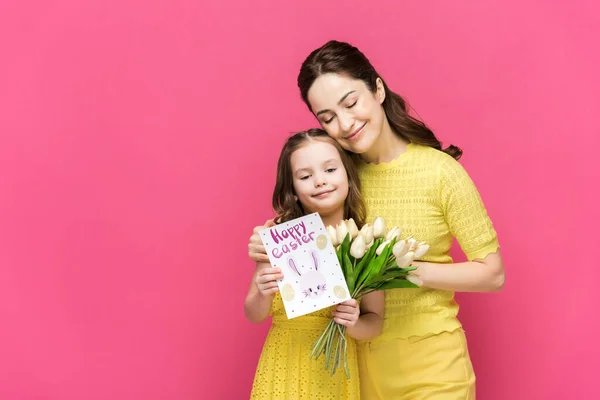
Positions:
{"x": 323, "y": 194}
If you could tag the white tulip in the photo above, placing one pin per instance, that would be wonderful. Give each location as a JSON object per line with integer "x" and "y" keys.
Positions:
{"x": 367, "y": 233}
{"x": 342, "y": 231}
{"x": 352, "y": 228}
{"x": 400, "y": 248}
{"x": 381, "y": 247}
{"x": 412, "y": 244}
{"x": 394, "y": 233}
{"x": 358, "y": 247}
{"x": 421, "y": 250}
{"x": 332, "y": 235}
{"x": 405, "y": 260}
{"x": 379, "y": 228}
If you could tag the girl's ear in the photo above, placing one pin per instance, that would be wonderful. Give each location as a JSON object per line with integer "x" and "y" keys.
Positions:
{"x": 292, "y": 265}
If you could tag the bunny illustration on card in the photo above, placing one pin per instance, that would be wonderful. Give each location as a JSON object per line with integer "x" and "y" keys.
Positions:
{"x": 311, "y": 282}
{"x": 313, "y": 279}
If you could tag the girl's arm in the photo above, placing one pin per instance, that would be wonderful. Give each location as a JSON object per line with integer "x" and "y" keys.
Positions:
{"x": 485, "y": 275}
{"x": 364, "y": 322}
{"x": 262, "y": 290}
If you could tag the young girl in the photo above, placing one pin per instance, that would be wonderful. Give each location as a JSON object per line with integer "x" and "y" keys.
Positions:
{"x": 314, "y": 174}
{"x": 410, "y": 181}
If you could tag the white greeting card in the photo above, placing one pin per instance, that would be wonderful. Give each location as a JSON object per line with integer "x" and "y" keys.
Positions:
{"x": 312, "y": 276}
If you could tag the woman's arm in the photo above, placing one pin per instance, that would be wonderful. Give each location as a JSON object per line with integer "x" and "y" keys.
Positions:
{"x": 485, "y": 275}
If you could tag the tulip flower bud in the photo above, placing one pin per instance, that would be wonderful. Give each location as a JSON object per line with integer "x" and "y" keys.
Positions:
{"x": 332, "y": 235}
{"x": 342, "y": 231}
{"x": 381, "y": 247}
{"x": 400, "y": 248}
{"x": 358, "y": 247}
{"x": 352, "y": 228}
{"x": 379, "y": 228}
{"x": 421, "y": 250}
{"x": 405, "y": 260}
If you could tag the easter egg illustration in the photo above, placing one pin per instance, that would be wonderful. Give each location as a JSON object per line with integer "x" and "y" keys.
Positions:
{"x": 321, "y": 242}
{"x": 339, "y": 292}
{"x": 287, "y": 292}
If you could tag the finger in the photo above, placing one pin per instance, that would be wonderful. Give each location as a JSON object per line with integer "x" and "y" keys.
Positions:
{"x": 259, "y": 228}
{"x": 347, "y": 316}
{"x": 255, "y": 239}
{"x": 351, "y": 303}
{"x": 347, "y": 309}
{"x": 266, "y": 286}
{"x": 256, "y": 248}
{"x": 269, "y": 270}
{"x": 269, "y": 290}
{"x": 269, "y": 278}
{"x": 258, "y": 257}
{"x": 269, "y": 223}
{"x": 414, "y": 279}
{"x": 343, "y": 322}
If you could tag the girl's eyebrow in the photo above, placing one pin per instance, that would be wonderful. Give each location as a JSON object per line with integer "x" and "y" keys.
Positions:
{"x": 339, "y": 102}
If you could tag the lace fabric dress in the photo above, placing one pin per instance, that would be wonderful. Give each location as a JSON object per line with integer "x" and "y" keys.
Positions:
{"x": 285, "y": 370}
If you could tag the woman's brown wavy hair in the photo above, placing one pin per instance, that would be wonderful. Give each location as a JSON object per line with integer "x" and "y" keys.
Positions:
{"x": 344, "y": 59}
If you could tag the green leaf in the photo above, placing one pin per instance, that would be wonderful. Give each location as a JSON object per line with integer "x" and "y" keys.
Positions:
{"x": 397, "y": 284}
{"x": 351, "y": 273}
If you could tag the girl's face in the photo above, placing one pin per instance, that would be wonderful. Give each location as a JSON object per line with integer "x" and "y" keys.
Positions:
{"x": 348, "y": 111}
{"x": 319, "y": 178}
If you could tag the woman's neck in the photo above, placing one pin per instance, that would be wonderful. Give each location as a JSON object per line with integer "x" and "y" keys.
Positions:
{"x": 386, "y": 148}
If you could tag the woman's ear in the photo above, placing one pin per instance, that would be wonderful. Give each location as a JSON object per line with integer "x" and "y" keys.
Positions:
{"x": 380, "y": 93}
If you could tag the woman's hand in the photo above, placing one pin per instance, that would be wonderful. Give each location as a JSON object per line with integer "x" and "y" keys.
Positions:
{"x": 256, "y": 250}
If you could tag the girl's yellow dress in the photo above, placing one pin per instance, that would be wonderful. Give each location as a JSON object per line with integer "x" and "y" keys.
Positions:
{"x": 285, "y": 370}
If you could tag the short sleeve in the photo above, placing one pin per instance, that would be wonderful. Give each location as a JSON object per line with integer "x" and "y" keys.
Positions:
{"x": 465, "y": 212}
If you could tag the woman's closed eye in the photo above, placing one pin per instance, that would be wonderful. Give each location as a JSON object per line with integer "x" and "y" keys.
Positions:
{"x": 304, "y": 177}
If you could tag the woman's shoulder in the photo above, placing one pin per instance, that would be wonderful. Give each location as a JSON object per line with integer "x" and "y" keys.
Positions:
{"x": 432, "y": 157}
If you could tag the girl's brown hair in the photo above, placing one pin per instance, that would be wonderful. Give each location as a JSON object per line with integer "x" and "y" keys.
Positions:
{"x": 284, "y": 201}
{"x": 344, "y": 59}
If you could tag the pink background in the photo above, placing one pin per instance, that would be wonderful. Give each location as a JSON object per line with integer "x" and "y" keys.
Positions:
{"x": 138, "y": 149}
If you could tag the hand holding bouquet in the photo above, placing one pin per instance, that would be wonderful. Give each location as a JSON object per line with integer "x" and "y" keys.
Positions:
{"x": 371, "y": 259}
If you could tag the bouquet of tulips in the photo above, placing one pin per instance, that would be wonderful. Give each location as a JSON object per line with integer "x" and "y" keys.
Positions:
{"x": 371, "y": 259}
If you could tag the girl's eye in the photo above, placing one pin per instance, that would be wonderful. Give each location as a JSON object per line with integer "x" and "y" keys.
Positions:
{"x": 330, "y": 169}
{"x": 304, "y": 177}
{"x": 328, "y": 120}
{"x": 353, "y": 104}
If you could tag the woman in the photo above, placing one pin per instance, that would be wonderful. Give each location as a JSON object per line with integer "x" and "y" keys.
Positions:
{"x": 411, "y": 181}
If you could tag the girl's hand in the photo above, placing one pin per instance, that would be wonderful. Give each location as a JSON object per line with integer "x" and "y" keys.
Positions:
{"x": 266, "y": 281}
{"x": 256, "y": 250}
{"x": 347, "y": 313}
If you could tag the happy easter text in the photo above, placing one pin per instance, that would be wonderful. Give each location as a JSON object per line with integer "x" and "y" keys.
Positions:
{"x": 292, "y": 238}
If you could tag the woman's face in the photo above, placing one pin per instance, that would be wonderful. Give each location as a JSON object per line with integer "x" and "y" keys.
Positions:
{"x": 348, "y": 111}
